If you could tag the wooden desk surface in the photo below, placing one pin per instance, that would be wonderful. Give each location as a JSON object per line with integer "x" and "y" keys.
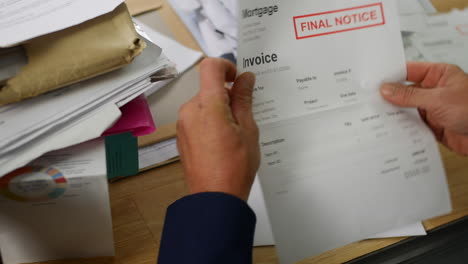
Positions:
{"x": 139, "y": 203}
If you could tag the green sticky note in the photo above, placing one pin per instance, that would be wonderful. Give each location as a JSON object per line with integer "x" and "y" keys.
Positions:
{"x": 122, "y": 156}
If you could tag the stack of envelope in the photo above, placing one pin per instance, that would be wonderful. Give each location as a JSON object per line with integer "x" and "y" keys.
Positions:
{"x": 64, "y": 73}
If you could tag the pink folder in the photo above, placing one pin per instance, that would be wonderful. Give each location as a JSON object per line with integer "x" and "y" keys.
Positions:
{"x": 136, "y": 118}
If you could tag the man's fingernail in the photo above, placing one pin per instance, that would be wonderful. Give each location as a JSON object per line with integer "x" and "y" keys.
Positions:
{"x": 248, "y": 80}
{"x": 251, "y": 78}
{"x": 387, "y": 89}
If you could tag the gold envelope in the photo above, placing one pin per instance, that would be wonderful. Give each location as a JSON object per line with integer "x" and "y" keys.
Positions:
{"x": 77, "y": 53}
{"x": 448, "y": 5}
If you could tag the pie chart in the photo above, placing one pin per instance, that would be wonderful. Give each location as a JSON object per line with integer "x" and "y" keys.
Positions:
{"x": 33, "y": 184}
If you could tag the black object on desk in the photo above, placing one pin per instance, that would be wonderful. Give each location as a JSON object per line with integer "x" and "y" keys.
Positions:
{"x": 230, "y": 57}
{"x": 446, "y": 244}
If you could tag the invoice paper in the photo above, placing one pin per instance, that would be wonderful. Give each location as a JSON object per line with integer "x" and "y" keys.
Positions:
{"x": 21, "y": 20}
{"x": 264, "y": 236}
{"x": 339, "y": 164}
{"x": 57, "y": 207}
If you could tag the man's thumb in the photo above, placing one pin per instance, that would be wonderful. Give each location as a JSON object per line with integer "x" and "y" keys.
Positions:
{"x": 406, "y": 96}
{"x": 241, "y": 97}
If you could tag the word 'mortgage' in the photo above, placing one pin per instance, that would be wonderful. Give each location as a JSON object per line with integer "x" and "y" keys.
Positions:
{"x": 259, "y": 11}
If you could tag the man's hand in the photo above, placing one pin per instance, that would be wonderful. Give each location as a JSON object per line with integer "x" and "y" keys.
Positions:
{"x": 441, "y": 94}
{"x": 217, "y": 136}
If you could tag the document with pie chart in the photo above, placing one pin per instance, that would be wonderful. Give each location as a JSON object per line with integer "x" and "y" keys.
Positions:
{"x": 57, "y": 207}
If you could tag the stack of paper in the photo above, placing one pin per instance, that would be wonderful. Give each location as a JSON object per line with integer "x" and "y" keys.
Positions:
{"x": 44, "y": 182}
{"x": 52, "y": 121}
{"x": 62, "y": 118}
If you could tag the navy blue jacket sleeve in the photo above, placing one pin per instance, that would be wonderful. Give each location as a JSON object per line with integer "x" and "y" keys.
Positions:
{"x": 208, "y": 228}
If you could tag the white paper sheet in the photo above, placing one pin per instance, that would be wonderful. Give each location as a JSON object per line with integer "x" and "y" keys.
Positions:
{"x": 166, "y": 150}
{"x": 157, "y": 153}
{"x": 415, "y": 6}
{"x": 428, "y": 6}
{"x": 445, "y": 47}
{"x": 416, "y": 229}
{"x": 73, "y": 133}
{"x": 409, "y": 7}
{"x": 216, "y": 42}
{"x": 183, "y": 58}
{"x": 214, "y": 31}
{"x": 339, "y": 164}
{"x": 438, "y": 38}
{"x": 264, "y": 235}
{"x": 59, "y": 209}
{"x": 188, "y": 6}
{"x": 232, "y": 6}
{"x": 443, "y": 22}
{"x": 220, "y": 16}
{"x": 191, "y": 18}
{"x": 22, "y": 20}
{"x": 412, "y": 53}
